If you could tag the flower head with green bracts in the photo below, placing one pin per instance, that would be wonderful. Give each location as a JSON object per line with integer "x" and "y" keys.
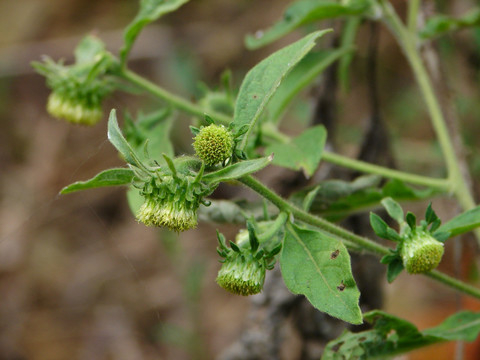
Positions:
{"x": 244, "y": 267}
{"x": 172, "y": 198}
{"x": 214, "y": 144}
{"x": 78, "y": 89}
{"x": 419, "y": 247}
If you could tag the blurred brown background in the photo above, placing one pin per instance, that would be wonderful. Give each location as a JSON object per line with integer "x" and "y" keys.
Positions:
{"x": 79, "y": 277}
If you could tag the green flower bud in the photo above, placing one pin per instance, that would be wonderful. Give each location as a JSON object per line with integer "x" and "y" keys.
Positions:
{"x": 421, "y": 252}
{"x": 242, "y": 274}
{"x": 213, "y": 144}
{"x": 73, "y": 110}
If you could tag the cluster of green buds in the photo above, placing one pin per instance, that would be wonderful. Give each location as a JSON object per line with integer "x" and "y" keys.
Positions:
{"x": 244, "y": 264}
{"x": 172, "y": 196}
{"x": 78, "y": 89}
{"x": 419, "y": 247}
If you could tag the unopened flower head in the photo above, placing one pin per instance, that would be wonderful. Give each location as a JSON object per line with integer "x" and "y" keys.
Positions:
{"x": 242, "y": 274}
{"x": 421, "y": 252}
{"x": 213, "y": 144}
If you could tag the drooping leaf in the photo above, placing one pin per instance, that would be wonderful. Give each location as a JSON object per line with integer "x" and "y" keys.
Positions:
{"x": 303, "y": 152}
{"x": 318, "y": 266}
{"x": 462, "y": 223}
{"x": 150, "y": 10}
{"x": 307, "y": 70}
{"x": 111, "y": 177}
{"x": 303, "y": 12}
{"x": 440, "y": 24}
{"x": 394, "y": 266}
{"x": 392, "y": 336}
{"x": 262, "y": 81}
{"x": 237, "y": 170}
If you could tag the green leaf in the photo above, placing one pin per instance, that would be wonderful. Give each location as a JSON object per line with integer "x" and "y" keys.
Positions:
{"x": 392, "y": 336}
{"x": 304, "y": 12}
{"x": 411, "y": 220}
{"x": 462, "y": 223}
{"x": 318, "y": 266}
{"x": 307, "y": 70}
{"x": 150, "y": 10}
{"x": 378, "y": 225}
{"x": 442, "y": 24}
{"x": 111, "y": 177}
{"x": 393, "y": 209}
{"x": 303, "y": 152}
{"x": 262, "y": 81}
{"x": 349, "y": 33}
{"x": 394, "y": 268}
{"x": 88, "y": 50}
{"x": 115, "y": 136}
{"x": 464, "y": 325}
{"x": 337, "y": 199}
{"x": 237, "y": 170}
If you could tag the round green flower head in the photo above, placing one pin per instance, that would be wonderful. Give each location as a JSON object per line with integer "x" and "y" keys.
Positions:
{"x": 213, "y": 144}
{"x": 421, "y": 252}
{"x": 242, "y": 274}
{"x": 73, "y": 110}
{"x": 171, "y": 203}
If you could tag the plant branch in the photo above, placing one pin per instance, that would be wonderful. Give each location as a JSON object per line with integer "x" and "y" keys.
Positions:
{"x": 351, "y": 240}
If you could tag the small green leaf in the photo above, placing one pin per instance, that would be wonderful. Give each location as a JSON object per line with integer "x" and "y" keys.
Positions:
{"x": 237, "y": 170}
{"x": 116, "y": 138}
{"x": 430, "y": 215}
{"x": 150, "y": 10}
{"x": 393, "y": 209}
{"x": 394, "y": 267}
{"x": 318, "y": 266}
{"x": 462, "y": 223}
{"x": 304, "y": 12}
{"x": 441, "y": 24}
{"x": 411, "y": 220}
{"x": 111, "y": 177}
{"x": 303, "y": 152}
{"x": 307, "y": 70}
{"x": 378, "y": 225}
{"x": 262, "y": 81}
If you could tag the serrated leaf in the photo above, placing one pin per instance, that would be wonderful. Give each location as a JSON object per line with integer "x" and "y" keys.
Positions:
{"x": 392, "y": 336}
{"x": 303, "y": 152}
{"x": 115, "y": 136}
{"x": 393, "y": 209}
{"x": 318, "y": 266}
{"x": 150, "y": 10}
{"x": 307, "y": 70}
{"x": 441, "y": 24}
{"x": 462, "y": 223}
{"x": 304, "y": 12}
{"x": 237, "y": 170}
{"x": 430, "y": 215}
{"x": 262, "y": 81}
{"x": 111, "y": 177}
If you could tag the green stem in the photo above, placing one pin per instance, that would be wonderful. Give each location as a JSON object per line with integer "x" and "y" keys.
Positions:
{"x": 440, "y": 184}
{"x": 351, "y": 238}
{"x": 407, "y": 42}
{"x": 273, "y": 229}
{"x": 412, "y": 17}
{"x": 176, "y": 101}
